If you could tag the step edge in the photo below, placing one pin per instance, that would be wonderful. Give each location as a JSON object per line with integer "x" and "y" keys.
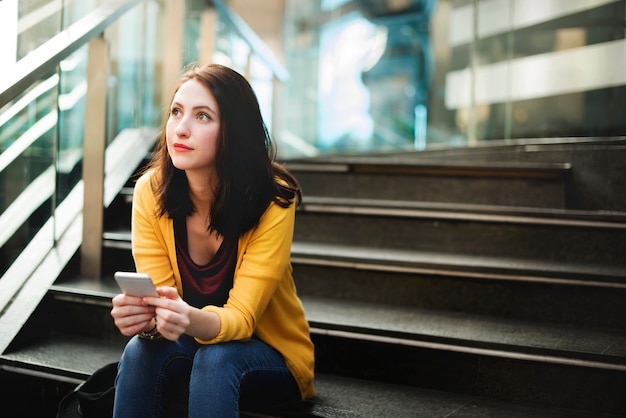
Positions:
{"x": 491, "y": 352}
{"x": 487, "y": 268}
{"x": 469, "y": 212}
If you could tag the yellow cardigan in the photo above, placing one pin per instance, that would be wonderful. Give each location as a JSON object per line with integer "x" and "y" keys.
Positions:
{"x": 263, "y": 300}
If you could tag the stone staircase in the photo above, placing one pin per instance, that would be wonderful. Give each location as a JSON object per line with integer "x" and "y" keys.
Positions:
{"x": 441, "y": 284}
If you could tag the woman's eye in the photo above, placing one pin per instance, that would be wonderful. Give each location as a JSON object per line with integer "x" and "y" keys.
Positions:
{"x": 203, "y": 116}
{"x": 175, "y": 112}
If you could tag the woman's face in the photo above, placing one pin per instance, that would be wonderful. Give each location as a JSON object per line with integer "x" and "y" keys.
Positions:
{"x": 192, "y": 128}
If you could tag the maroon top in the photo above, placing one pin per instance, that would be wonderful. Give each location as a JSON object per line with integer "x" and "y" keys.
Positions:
{"x": 208, "y": 284}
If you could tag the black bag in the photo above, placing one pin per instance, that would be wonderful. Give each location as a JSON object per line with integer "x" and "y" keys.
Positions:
{"x": 92, "y": 398}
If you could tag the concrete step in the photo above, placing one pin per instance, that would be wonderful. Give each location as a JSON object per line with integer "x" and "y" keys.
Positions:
{"x": 472, "y": 334}
{"x": 480, "y": 230}
{"x": 459, "y": 265}
{"x": 368, "y": 277}
{"x": 494, "y": 183}
{"x": 597, "y": 165}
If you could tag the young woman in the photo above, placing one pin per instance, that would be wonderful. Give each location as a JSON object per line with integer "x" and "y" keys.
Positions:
{"x": 212, "y": 224}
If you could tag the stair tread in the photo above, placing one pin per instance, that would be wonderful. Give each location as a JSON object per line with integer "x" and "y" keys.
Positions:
{"x": 467, "y": 263}
{"x": 390, "y": 164}
{"x": 437, "y": 329}
{"x": 348, "y": 397}
{"x": 485, "y": 212}
{"x": 467, "y": 332}
{"x": 64, "y": 355}
{"x": 337, "y": 396}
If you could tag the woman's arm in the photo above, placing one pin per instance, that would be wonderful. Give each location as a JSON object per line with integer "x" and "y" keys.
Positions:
{"x": 261, "y": 266}
{"x": 151, "y": 236}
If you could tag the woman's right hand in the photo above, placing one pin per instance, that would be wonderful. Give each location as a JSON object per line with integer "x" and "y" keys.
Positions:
{"x": 131, "y": 315}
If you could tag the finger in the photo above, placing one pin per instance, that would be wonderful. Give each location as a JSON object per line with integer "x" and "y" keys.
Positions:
{"x": 158, "y": 302}
{"x": 130, "y": 323}
{"x": 170, "y": 331}
{"x": 133, "y": 324}
{"x": 168, "y": 292}
{"x": 123, "y": 299}
{"x": 172, "y": 321}
{"x": 122, "y": 311}
{"x": 134, "y": 320}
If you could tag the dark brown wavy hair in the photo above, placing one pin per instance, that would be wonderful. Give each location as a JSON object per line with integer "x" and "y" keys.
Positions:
{"x": 249, "y": 176}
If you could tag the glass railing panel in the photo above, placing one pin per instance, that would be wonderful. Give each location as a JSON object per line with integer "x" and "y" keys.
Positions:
{"x": 71, "y": 121}
{"x": 262, "y": 81}
{"x": 26, "y": 110}
{"x": 134, "y": 82}
{"x": 38, "y": 21}
{"x": 230, "y": 48}
{"x": 27, "y": 172}
{"x": 149, "y": 77}
{"x": 192, "y": 31}
{"x": 73, "y": 10}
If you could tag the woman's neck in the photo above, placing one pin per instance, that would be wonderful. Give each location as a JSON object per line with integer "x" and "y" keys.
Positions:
{"x": 201, "y": 191}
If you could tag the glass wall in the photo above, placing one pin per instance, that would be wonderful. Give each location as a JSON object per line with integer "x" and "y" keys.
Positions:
{"x": 381, "y": 76}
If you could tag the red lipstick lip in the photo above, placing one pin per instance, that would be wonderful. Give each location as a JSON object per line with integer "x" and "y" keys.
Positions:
{"x": 181, "y": 147}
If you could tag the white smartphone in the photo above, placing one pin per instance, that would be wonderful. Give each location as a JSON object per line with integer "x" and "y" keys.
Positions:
{"x": 135, "y": 284}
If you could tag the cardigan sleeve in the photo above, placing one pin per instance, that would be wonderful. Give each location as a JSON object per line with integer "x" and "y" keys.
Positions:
{"x": 150, "y": 241}
{"x": 261, "y": 266}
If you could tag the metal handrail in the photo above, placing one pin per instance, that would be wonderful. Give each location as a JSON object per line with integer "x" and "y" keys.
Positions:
{"x": 45, "y": 58}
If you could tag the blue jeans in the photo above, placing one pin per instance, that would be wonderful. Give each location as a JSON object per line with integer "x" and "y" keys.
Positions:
{"x": 215, "y": 377}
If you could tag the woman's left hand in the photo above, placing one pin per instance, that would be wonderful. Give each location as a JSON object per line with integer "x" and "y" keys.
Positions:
{"x": 172, "y": 312}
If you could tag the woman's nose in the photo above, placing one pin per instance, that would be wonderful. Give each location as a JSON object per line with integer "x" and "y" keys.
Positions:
{"x": 182, "y": 129}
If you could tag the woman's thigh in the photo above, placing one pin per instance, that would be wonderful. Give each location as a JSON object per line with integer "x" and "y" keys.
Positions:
{"x": 251, "y": 372}
{"x": 151, "y": 371}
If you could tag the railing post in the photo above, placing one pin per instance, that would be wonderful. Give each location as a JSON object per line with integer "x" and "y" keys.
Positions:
{"x": 94, "y": 145}
{"x": 173, "y": 51}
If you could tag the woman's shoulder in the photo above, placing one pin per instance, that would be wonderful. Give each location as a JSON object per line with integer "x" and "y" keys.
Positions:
{"x": 145, "y": 180}
{"x": 144, "y": 187}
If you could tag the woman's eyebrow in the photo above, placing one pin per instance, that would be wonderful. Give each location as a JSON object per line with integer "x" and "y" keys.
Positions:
{"x": 204, "y": 107}
{"x": 196, "y": 108}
